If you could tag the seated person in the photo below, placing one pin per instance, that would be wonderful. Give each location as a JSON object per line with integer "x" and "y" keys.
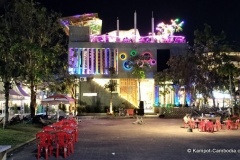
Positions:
{"x": 70, "y": 116}
{"x": 186, "y": 118}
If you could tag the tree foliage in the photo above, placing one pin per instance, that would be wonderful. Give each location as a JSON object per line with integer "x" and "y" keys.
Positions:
{"x": 111, "y": 85}
{"x": 38, "y": 42}
{"x": 140, "y": 67}
{"x": 9, "y": 64}
{"x": 205, "y": 66}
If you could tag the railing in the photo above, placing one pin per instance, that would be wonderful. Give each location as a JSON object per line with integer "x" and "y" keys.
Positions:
{"x": 141, "y": 39}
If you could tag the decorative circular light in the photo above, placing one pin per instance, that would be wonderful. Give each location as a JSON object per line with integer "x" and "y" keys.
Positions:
{"x": 140, "y": 63}
{"x": 127, "y": 65}
{"x": 147, "y": 56}
{"x": 141, "y": 72}
{"x": 123, "y": 56}
{"x": 133, "y": 53}
{"x": 153, "y": 62}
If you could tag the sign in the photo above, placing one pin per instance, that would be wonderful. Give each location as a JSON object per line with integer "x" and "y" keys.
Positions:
{"x": 89, "y": 94}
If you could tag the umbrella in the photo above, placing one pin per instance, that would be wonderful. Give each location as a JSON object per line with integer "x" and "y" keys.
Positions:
{"x": 58, "y": 99}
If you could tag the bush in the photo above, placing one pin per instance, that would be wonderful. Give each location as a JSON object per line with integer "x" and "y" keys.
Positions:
{"x": 92, "y": 109}
{"x": 26, "y": 108}
{"x": 81, "y": 109}
{"x": 98, "y": 109}
{"x": 89, "y": 109}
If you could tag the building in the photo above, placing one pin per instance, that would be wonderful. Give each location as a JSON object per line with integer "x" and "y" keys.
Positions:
{"x": 91, "y": 54}
{"x": 19, "y": 96}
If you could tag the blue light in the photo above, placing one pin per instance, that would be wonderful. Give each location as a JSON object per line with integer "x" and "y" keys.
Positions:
{"x": 127, "y": 65}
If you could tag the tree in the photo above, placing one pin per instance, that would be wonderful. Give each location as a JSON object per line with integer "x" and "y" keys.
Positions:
{"x": 229, "y": 72}
{"x": 208, "y": 50}
{"x": 183, "y": 72}
{"x": 9, "y": 66}
{"x": 40, "y": 41}
{"x": 111, "y": 85}
{"x": 198, "y": 69}
{"x": 64, "y": 84}
{"x": 164, "y": 80}
{"x": 140, "y": 67}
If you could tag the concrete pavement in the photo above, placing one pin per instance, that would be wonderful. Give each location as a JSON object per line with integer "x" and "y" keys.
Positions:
{"x": 119, "y": 139}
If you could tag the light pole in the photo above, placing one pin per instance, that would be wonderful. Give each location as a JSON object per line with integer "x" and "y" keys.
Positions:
{"x": 75, "y": 95}
{"x": 230, "y": 91}
{"x": 81, "y": 79}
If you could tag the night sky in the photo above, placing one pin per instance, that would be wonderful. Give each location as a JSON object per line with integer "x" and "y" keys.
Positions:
{"x": 219, "y": 14}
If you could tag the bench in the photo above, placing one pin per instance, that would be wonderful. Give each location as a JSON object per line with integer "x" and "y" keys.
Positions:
{"x": 3, "y": 151}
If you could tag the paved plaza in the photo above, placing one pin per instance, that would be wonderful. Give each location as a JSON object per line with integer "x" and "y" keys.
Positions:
{"x": 156, "y": 139}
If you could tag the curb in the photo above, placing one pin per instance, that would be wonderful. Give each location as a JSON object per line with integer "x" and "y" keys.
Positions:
{"x": 11, "y": 150}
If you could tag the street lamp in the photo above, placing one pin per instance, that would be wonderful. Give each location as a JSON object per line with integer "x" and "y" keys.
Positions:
{"x": 81, "y": 79}
{"x": 75, "y": 95}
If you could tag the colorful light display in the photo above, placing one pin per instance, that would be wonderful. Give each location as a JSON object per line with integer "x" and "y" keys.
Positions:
{"x": 89, "y": 19}
{"x": 165, "y": 32}
{"x": 123, "y": 56}
{"x": 127, "y": 65}
{"x": 92, "y": 60}
{"x": 169, "y": 29}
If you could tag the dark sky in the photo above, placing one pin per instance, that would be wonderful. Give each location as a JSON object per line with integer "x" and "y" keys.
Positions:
{"x": 219, "y": 14}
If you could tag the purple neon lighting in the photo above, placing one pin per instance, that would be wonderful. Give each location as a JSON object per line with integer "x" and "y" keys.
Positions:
{"x": 143, "y": 39}
{"x": 153, "y": 62}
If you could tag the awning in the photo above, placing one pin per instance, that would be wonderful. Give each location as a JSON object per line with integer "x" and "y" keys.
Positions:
{"x": 14, "y": 93}
{"x": 20, "y": 89}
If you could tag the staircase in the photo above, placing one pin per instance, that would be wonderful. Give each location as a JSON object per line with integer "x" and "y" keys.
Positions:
{"x": 118, "y": 98}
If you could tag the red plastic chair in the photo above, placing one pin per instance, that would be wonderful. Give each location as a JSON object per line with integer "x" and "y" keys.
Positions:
{"x": 236, "y": 124}
{"x": 71, "y": 139}
{"x": 209, "y": 126}
{"x": 63, "y": 143}
{"x": 130, "y": 112}
{"x": 74, "y": 131}
{"x": 48, "y": 128}
{"x": 69, "y": 122}
{"x": 57, "y": 125}
{"x": 232, "y": 125}
{"x": 192, "y": 124}
{"x": 202, "y": 126}
{"x": 218, "y": 125}
{"x": 44, "y": 142}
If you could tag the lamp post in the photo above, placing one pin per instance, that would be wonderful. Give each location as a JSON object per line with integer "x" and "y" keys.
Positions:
{"x": 81, "y": 79}
{"x": 75, "y": 95}
{"x": 230, "y": 86}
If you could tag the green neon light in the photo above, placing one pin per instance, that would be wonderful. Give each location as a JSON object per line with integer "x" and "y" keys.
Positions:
{"x": 133, "y": 53}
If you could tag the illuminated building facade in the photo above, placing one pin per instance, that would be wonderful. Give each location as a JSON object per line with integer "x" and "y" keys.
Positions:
{"x": 92, "y": 54}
